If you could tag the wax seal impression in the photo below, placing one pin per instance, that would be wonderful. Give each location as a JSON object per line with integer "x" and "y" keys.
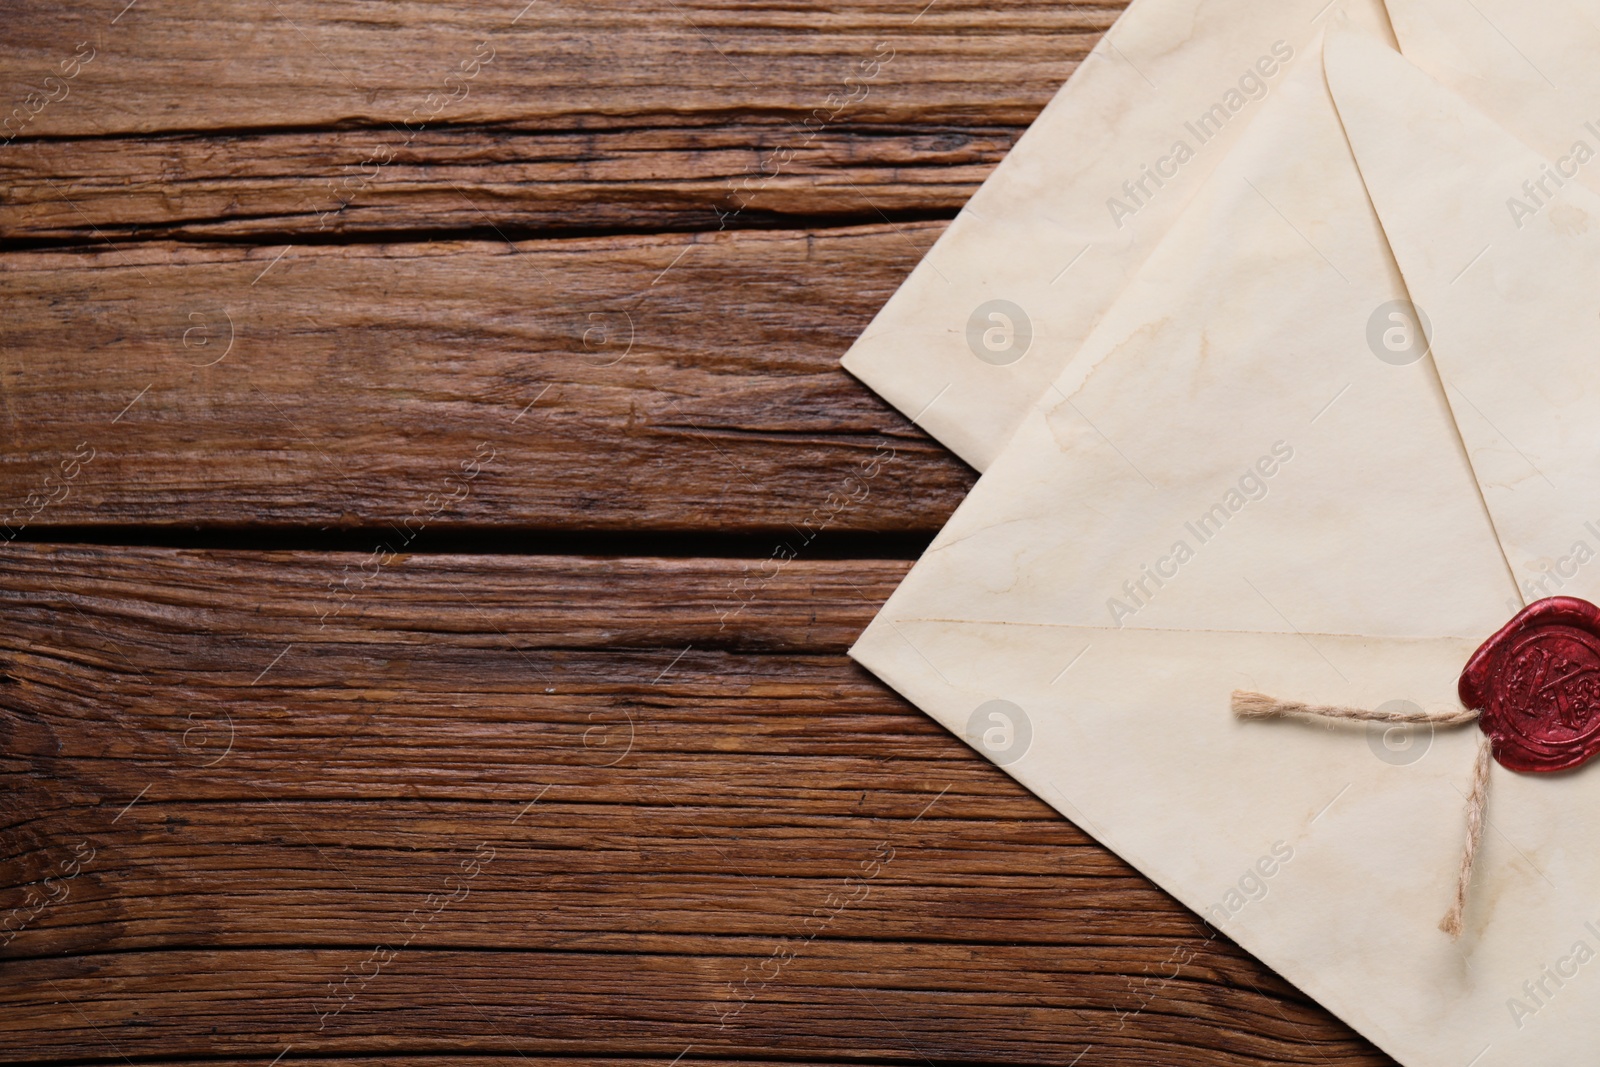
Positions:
{"x": 1536, "y": 685}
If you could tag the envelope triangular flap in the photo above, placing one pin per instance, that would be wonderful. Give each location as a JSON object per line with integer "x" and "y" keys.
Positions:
{"x": 1504, "y": 260}
{"x": 1239, "y": 459}
{"x": 1006, "y": 297}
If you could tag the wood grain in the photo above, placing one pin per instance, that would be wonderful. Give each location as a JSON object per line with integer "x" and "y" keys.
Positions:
{"x": 612, "y": 384}
{"x": 325, "y": 185}
{"x": 260, "y": 793}
{"x": 327, "y": 119}
{"x": 319, "y": 63}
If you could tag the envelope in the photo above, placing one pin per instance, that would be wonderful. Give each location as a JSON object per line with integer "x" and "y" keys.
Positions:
{"x": 1004, "y": 257}
{"x": 1005, "y": 298}
{"x": 1255, "y": 476}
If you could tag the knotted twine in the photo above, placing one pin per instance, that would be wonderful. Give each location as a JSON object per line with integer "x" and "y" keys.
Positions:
{"x": 1258, "y": 706}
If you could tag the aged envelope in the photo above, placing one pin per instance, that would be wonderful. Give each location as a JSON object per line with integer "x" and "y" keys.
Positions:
{"x": 1006, "y": 297}
{"x": 1269, "y": 488}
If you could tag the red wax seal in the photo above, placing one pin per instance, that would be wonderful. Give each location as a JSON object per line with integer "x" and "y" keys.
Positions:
{"x": 1536, "y": 685}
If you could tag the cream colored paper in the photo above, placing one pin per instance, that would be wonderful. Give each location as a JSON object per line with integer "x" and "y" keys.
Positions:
{"x": 1513, "y": 290}
{"x": 1006, "y": 297}
{"x": 1254, "y": 494}
{"x": 1531, "y": 67}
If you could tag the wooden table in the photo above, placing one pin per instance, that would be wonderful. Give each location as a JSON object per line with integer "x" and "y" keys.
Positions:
{"x": 436, "y": 527}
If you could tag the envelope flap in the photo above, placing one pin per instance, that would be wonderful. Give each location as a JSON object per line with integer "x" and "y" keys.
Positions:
{"x": 1500, "y": 249}
{"x": 1005, "y": 298}
{"x": 1236, "y": 456}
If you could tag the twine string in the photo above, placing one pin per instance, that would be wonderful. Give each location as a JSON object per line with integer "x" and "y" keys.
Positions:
{"x": 1477, "y": 801}
{"x": 1258, "y": 706}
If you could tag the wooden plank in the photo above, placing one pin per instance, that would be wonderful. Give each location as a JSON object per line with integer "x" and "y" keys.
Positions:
{"x": 298, "y": 64}
{"x": 916, "y": 1003}
{"x": 327, "y": 184}
{"x": 335, "y": 118}
{"x": 629, "y": 383}
{"x": 588, "y": 806}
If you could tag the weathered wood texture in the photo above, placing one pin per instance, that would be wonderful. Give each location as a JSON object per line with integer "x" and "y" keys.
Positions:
{"x": 359, "y": 378}
{"x": 326, "y": 185}
{"x": 354, "y": 117}
{"x": 235, "y": 803}
{"x": 623, "y": 383}
{"x": 284, "y": 266}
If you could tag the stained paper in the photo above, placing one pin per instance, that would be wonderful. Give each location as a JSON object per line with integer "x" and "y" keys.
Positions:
{"x": 1246, "y": 481}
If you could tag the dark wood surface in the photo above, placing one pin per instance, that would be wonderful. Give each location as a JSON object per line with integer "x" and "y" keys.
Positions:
{"x": 401, "y": 661}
